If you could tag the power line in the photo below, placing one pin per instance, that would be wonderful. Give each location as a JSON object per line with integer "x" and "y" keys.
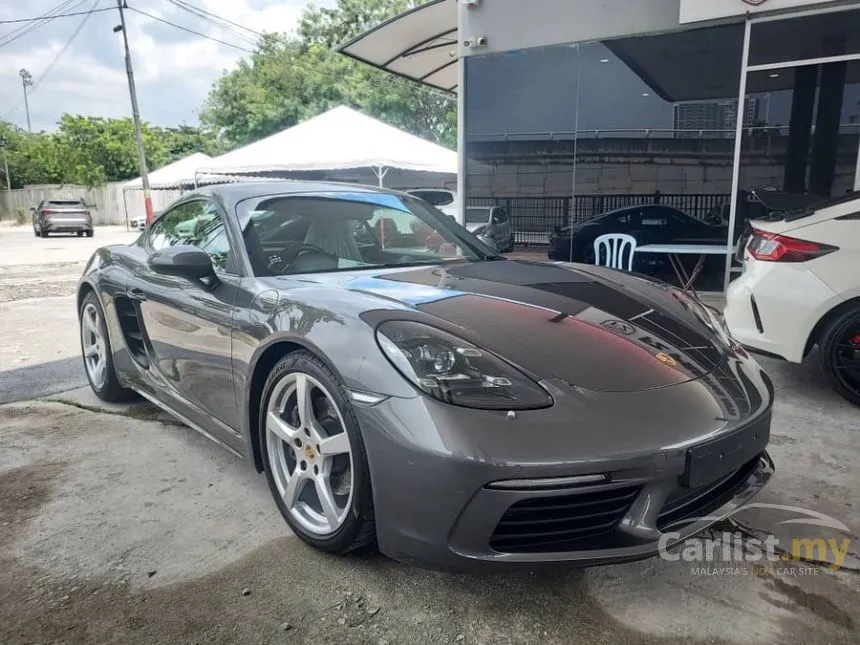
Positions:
{"x": 187, "y": 6}
{"x": 35, "y": 84}
{"x": 44, "y": 19}
{"x": 71, "y": 39}
{"x": 221, "y": 23}
{"x": 191, "y": 31}
{"x": 57, "y": 15}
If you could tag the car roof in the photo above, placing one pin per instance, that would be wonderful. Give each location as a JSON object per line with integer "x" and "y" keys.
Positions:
{"x": 232, "y": 193}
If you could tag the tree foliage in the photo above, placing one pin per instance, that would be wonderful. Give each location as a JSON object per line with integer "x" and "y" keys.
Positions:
{"x": 290, "y": 79}
{"x": 92, "y": 150}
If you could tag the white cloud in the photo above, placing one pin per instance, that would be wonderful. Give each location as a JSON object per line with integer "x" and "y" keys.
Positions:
{"x": 173, "y": 69}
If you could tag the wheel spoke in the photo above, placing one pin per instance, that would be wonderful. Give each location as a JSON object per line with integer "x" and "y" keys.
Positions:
{"x": 326, "y": 497}
{"x": 303, "y": 401}
{"x": 100, "y": 371}
{"x": 91, "y": 350}
{"x": 295, "y": 486}
{"x": 335, "y": 445}
{"x": 91, "y": 324}
{"x": 283, "y": 430}
{"x": 848, "y": 364}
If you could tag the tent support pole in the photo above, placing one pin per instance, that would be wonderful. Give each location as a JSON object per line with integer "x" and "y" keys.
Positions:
{"x": 380, "y": 173}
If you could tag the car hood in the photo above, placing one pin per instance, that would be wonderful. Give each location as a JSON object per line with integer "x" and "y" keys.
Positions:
{"x": 589, "y": 327}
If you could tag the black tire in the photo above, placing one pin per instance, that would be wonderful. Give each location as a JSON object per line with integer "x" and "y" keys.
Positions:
{"x": 834, "y": 337}
{"x": 43, "y": 233}
{"x": 359, "y": 529}
{"x": 90, "y": 233}
{"x": 111, "y": 391}
{"x": 80, "y": 233}
{"x": 36, "y": 232}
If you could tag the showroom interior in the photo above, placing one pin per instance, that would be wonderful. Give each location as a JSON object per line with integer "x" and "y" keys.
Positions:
{"x": 571, "y": 110}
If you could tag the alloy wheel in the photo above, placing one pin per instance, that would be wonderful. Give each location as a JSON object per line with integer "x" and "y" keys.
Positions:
{"x": 92, "y": 341}
{"x": 309, "y": 453}
{"x": 846, "y": 357}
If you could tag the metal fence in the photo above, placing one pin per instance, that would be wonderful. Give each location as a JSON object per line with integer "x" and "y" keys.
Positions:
{"x": 534, "y": 218}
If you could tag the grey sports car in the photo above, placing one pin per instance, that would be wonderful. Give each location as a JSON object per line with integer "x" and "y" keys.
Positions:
{"x": 401, "y": 384}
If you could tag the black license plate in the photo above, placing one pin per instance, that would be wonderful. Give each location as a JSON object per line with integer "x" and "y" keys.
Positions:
{"x": 714, "y": 459}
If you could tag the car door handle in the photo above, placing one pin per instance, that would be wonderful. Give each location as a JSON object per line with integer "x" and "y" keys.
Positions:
{"x": 136, "y": 294}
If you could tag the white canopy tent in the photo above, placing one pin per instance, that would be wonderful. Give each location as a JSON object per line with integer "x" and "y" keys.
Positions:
{"x": 179, "y": 173}
{"x": 340, "y": 139}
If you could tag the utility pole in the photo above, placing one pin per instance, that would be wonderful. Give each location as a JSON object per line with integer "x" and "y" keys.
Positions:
{"x": 26, "y": 81}
{"x": 144, "y": 175}
{"x": 5, "y": 162}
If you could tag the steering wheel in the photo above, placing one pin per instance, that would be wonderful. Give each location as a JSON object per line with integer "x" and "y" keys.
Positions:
{"x": 279, "y": 263}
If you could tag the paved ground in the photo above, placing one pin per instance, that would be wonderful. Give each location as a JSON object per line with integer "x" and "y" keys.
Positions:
{"x": 118, "y": 525}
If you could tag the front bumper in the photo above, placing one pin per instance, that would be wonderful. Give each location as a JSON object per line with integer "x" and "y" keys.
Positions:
{"x": 773, "y": 307}
{"x": 436, "y": 472}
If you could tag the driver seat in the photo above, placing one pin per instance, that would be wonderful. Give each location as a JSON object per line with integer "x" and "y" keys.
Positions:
{"x": 335, "y": 237}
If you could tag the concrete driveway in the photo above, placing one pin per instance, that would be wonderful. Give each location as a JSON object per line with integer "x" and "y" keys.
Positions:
{"x": 118, "y": 525}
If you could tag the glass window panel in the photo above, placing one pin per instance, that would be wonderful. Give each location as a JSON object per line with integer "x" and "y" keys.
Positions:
{"x": 794, "y": 39}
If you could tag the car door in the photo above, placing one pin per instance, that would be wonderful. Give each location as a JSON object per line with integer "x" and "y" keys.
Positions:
{"x": 188, "y": 324}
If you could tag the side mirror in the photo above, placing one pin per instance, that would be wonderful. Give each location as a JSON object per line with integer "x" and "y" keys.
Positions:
{"x": 182, "y": 261}
{"x": 489, "y": 241}
{"x": 32, "y": 209}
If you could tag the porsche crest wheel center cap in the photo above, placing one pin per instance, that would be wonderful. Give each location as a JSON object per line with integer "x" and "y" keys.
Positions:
{"x": 309, "y": 451}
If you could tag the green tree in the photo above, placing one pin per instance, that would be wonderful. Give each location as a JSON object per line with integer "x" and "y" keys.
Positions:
{"x": 91, "y": 150}
{"x": 284, "y": 82}
{"x": 288, "y": 80}
{"x": 350, "y": 18}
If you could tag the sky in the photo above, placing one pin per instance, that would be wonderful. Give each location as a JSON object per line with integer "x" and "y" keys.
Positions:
{"x": 173, "y": 69}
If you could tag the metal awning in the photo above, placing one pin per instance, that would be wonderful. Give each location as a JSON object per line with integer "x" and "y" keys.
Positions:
{"x": 690, "y": 64}
{"x": 420, "y": 44}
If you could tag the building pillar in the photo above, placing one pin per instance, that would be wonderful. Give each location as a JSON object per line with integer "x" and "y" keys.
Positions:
{"x": 826, "y": 138}
{"x": 800, "y": 128}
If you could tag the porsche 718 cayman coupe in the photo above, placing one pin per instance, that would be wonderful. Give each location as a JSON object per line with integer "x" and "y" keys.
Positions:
{"x": 403, "y": 385}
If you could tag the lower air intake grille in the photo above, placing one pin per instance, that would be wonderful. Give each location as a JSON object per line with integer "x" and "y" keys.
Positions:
{"x": 561, "y": 523}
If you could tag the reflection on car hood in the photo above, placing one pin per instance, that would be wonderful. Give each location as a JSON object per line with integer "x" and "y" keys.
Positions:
{"x": 590, "y": 327}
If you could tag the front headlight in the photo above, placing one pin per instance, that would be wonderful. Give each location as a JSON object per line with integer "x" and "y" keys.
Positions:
{"x": 455, "y": 371}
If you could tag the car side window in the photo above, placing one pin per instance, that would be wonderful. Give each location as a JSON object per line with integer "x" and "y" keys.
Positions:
{"x": 196, "y": 223}
{"x": 654, "y": 217}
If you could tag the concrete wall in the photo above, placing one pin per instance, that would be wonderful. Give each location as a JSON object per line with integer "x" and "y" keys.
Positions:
{"x": 635, "y": 167}
{"x": 106, "y": 202}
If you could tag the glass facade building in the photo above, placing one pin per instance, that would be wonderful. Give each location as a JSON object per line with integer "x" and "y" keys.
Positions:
{"x": 563, "y": 129}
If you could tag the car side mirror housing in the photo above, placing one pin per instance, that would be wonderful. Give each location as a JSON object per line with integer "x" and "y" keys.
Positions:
{"x": 183, "y": 262}
{"x": 32, "y": 209}
{"x": 489, "y": 241}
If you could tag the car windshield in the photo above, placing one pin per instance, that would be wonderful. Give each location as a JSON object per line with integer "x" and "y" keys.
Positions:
{"x": 477, "y": 215}
{"x": 64, "y": 203}
{"x": 295, "y": 234}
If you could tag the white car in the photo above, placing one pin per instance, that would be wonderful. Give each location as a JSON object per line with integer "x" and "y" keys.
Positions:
{"x": 801, "y": 287}
{"x": 138, "y": 223}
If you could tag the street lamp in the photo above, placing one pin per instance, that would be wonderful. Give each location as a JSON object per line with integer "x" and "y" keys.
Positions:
{"x": 26, "y": 81}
